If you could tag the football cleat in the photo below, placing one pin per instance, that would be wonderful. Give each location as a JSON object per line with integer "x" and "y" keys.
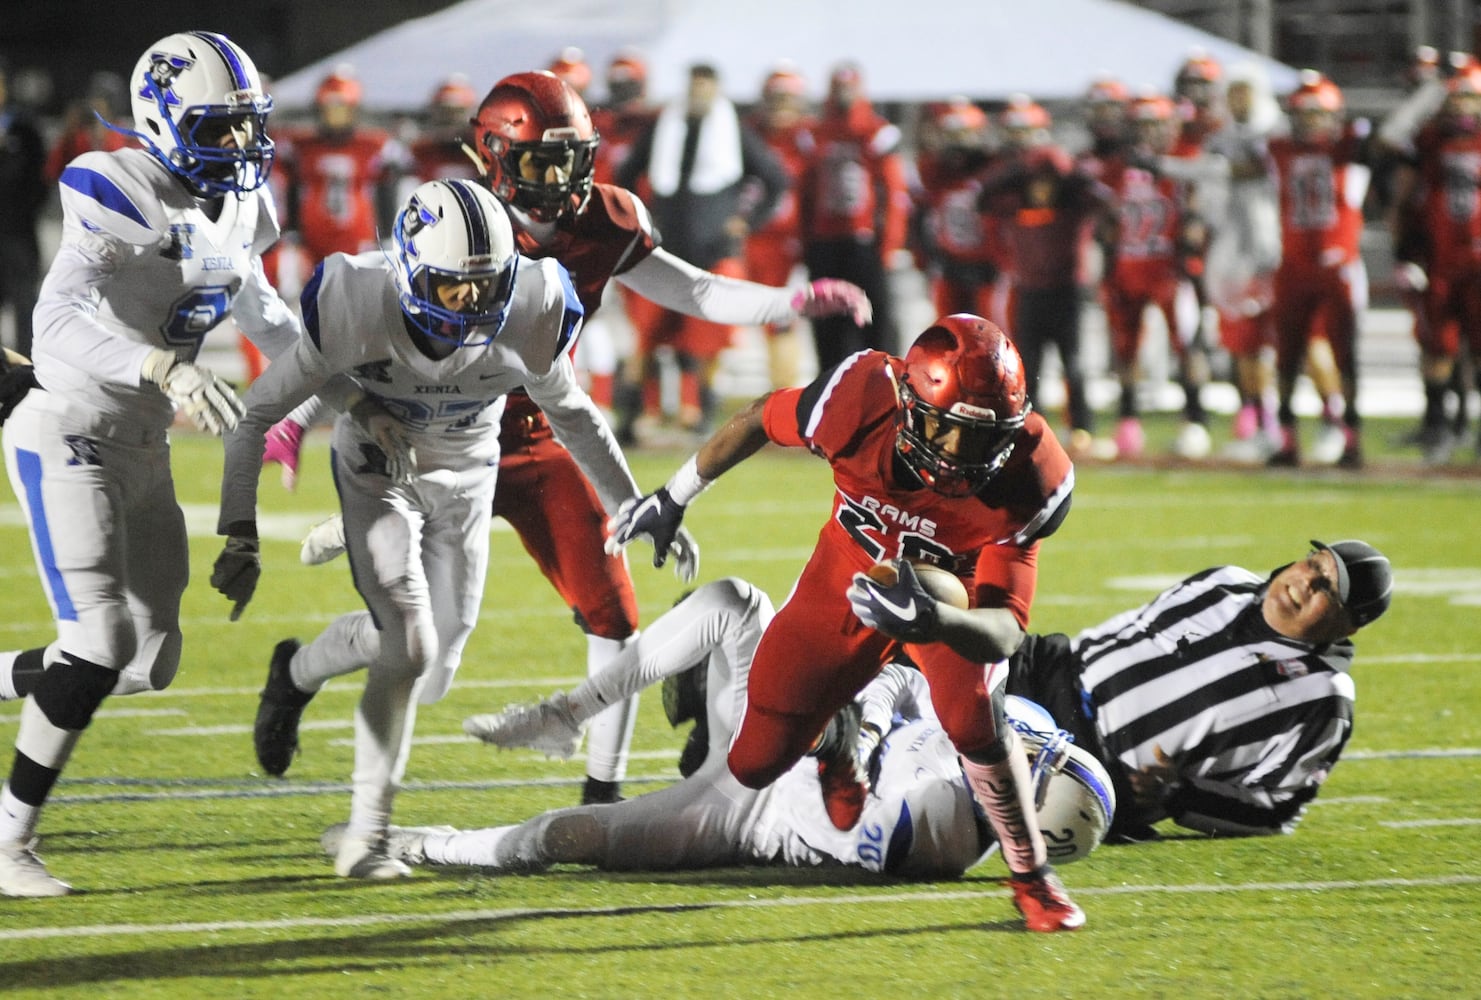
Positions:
{"x": 325, "y": 541}
{"x": 275, "y": 731}
{"x": 1040, "y": 896}
{"x": 402, "y": 843}
{"x": 24, "y": 875}
{"x": 1331, "y": 442}
{"x": 367, "y": 858}
{"x": 1130, "y": 439}
{"x": 547, "y": 726}
{"x": 845, "y": 785}
{"x": 1192, "y": 441}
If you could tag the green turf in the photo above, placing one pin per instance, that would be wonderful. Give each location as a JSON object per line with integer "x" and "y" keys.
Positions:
{"x": 202, "y": 878}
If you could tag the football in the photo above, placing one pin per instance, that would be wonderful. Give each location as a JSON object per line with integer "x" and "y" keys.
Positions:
{"x": 945, "y": 586}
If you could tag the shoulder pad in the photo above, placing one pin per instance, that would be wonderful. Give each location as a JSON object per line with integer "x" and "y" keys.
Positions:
{"x": 114, "y": 194}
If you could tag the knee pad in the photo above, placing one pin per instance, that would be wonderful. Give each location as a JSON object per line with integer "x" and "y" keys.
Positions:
{"x": 155, "y": 668}
{"x": 69, "y": 692}
{"x": 574, "y": 837}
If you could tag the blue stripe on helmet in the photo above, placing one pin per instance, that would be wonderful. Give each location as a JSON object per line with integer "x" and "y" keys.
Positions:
{"x": 228, "y": 53}
{"x": 479, "y": 239}
{"x": 1088, "y": 778}
{"x": 103, "y": 191}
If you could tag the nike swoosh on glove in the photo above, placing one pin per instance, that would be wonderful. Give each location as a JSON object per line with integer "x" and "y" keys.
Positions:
{"x": 903, "y": 610}
{"x": 236, "y": 572}
{"x": 657, "y": 517}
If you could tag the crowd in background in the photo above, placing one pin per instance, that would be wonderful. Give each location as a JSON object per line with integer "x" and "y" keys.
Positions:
{"x": 1212, "y": 213}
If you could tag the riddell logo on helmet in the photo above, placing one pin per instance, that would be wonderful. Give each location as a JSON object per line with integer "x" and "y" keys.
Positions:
{"x": 974, "y": 412}
{"x": 563, "y": 132}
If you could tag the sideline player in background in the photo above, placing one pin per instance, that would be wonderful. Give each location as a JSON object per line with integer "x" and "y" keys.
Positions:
{"x": 1321, "y": 285}
{"x": 937, "y": 456}
{"x": 159, "y": 245}
{"x": 600, "y": 233}
{"x": 432, "y": 339}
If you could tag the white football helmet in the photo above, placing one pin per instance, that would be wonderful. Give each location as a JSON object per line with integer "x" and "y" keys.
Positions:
{"x": 191, "y": 91}
{"x": 455, "y": 232}
{"x": 1072, "y": 790}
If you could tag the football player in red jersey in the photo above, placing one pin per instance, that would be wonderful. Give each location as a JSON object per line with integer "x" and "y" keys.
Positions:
{"x": 854, "y": 203}
{"x": 773, "y": 249}
{"x": 535, "y": 139}
{"x": 935, "y": 456}
{"x": 1153, "y": 222}
{"x": 1321, "y": 287}
{"x": 439, "y": 152}
{"x": 339, "y": 173}
{"x": 958, "y": 242}
{"x": 1437, "y": 238}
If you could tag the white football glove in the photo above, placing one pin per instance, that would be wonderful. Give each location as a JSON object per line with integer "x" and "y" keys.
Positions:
{"x": 390, "y": 436}
{"x": 325, "y": 541}
{"x": 204, "y": 397}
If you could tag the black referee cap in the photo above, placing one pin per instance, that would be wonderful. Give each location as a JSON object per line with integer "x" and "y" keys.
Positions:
{"x": 1365, "y": 581}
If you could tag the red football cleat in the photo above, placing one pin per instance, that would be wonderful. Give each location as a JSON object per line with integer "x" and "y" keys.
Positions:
{"x": 844, "y": 790}
{"x": 1041, "y": 898}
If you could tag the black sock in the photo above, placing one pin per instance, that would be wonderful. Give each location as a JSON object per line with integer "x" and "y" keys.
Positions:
{"x": 31, "y": 782}
{"x": 599, "y": 792}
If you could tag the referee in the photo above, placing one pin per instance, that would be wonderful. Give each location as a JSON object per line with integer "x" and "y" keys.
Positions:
{"x": 1222, "y": 703}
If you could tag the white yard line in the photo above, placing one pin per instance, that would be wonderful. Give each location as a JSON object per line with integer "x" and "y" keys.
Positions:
{"x": 1411, "y": 824}
{"x": 486, "y": 916}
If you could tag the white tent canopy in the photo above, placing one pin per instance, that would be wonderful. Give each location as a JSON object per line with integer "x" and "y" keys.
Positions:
{"x": 920, "y": 50}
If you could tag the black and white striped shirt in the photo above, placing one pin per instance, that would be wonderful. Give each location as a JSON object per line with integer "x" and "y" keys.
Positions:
{"x": 1253, "y": 720}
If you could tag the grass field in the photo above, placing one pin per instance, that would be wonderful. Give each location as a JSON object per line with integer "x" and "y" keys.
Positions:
{"x": 200, "y": 877}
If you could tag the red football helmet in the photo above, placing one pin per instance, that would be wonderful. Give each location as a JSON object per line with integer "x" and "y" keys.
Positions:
{"x": 627, "y": 77}
{"x": 534, "y": 137}
{"x": 1198, "y": 78}
{"x": 339, "y": 87}
{"x": 454, "y": 92}
{"x": 785, "y": 80}
{"x": 963, "y": 400}
{"x": 571, "y": 66}
{"x": 1316, "y": 107}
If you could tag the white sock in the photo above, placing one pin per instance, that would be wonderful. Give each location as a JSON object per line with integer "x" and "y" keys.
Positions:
{"x": 609, "y": 733}
{"x": 7, "y": 681}
{"x": 349, "y": 643}
{"x": 383, "y": 726}
{"x": 466, "y": 847}
{"x": 17, "y": 819}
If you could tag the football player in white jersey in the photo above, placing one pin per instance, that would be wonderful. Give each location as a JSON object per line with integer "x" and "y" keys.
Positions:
{"x": 159, "y": 245}
{"x": 420, "y": 347}
{"x": 919, "y": 820}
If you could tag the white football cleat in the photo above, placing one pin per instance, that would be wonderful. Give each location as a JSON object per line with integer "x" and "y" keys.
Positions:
{"x": 24, "y": 875}
{"x": 547, "y": 726}
{"x": 1192, "y": 441}
{"x": 325, "y": 541}
{"x": 365, "y": 857}
{"x": 1331, "y": 442}
{"x": 402, "y": 843}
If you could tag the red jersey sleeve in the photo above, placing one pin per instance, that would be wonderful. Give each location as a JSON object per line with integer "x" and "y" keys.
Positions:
{"x": 833, "y": 414}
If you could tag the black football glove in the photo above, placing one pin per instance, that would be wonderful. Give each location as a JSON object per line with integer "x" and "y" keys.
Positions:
{"x": 903, "y": 610}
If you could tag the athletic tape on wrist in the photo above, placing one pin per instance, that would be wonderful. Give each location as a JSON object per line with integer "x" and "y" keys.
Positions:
{"x": 687, "y": 483}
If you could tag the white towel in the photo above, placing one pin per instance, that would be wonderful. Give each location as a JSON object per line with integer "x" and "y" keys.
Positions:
{"x": 717, "y": 158}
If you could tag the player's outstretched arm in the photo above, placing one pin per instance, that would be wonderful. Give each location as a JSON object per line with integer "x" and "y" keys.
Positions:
{"x": 659, "y": 515}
